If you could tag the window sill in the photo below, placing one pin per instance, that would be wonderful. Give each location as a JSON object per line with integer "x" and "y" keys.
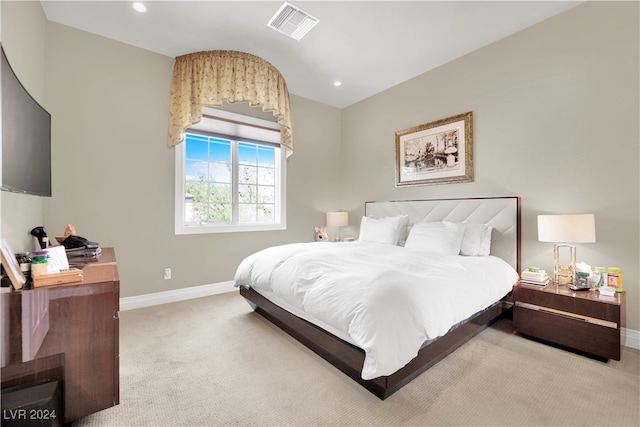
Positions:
{"x": 227, "y": 228}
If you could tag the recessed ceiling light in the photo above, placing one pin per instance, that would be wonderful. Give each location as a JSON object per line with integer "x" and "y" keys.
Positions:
{"x": 139, "y": 7}
{"x": 337, "y": 83}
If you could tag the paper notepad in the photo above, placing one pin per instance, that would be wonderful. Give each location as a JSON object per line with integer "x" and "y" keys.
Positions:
{"x": 57, "y": 258}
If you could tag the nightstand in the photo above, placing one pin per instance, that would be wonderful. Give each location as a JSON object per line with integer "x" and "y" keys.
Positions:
{"x": 584, "y": 321}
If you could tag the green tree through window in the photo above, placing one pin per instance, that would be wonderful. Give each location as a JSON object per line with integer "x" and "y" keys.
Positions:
{"x": 209, "y": 180}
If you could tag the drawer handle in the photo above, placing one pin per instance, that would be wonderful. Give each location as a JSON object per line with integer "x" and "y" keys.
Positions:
{"x": 563, "y": 314}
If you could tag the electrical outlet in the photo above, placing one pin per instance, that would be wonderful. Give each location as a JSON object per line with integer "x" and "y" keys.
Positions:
{"x": 167, "y": 273}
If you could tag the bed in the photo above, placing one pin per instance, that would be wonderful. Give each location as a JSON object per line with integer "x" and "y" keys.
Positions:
{"x": 384, "y": 312}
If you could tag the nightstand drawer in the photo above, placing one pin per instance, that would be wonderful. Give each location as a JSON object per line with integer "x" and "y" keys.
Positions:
{"x": 586, "y": 303}
{"x": 567, "y": 314}
{"x": 567, "y": 330}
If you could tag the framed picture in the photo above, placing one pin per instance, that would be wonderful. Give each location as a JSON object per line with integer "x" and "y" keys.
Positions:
{"x": 439, "y": 152}
{"x": 11, "y": 266}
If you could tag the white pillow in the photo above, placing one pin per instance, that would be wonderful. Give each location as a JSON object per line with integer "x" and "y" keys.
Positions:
{"x": 485, "y": 247}
{"x": 385, "y": 230}
{"x": 441, "y": 237}
{"x": 476, "y": 240}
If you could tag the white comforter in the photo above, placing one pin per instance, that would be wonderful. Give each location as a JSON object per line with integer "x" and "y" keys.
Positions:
{"x": 387, "y": 299}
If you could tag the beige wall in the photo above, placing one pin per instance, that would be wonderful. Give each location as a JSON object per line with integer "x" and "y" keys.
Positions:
{"x": 114, "y": 176}
{"x": 555, "y": 111}
{"x": 23, "y": 36}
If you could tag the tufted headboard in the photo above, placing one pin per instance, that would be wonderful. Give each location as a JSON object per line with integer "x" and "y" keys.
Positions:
{"x": 501, "y": 213}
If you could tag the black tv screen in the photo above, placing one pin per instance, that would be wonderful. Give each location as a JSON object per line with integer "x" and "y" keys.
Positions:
{"x": 26, "y": 138}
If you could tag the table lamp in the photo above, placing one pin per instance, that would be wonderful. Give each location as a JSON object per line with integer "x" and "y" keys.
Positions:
{"x": 337, "y": 219}
{"x": 563, "y": 230}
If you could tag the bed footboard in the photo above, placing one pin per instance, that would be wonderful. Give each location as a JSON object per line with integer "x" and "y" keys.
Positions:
{"x": 349, "y": 358}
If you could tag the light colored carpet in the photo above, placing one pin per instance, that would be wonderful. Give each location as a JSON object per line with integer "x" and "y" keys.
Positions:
{"x": 212, "y": 361}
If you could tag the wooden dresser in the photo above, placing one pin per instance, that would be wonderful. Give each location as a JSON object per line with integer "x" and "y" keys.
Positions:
{"x": 67, "y": 333}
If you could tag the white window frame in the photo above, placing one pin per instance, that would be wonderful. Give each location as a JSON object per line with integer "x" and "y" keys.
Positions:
{"x": 236, "y": 129}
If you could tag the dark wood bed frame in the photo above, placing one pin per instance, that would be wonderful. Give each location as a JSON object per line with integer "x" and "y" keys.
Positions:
{"x": 350, "y": 359}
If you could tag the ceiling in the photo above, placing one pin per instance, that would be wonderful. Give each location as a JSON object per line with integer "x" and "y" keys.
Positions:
{"x": 369, "y": 46}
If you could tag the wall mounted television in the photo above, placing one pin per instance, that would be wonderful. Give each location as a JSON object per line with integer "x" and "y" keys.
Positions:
{"x": 26, "y": 137}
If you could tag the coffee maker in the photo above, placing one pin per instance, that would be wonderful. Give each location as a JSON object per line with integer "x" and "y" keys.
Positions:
{"x": 40, "y": 233}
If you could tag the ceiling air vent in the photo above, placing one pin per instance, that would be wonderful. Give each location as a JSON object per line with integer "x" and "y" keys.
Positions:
{"x": 292, "y": 21}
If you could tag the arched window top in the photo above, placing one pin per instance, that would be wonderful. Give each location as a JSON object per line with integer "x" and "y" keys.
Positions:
{"x": 207, "y": 79}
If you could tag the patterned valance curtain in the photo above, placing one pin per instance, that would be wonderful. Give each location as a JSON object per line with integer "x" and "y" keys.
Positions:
{"x": 212, "y": 77}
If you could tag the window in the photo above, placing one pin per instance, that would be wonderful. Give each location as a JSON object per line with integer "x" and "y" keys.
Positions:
{"x": 230, "y": 174}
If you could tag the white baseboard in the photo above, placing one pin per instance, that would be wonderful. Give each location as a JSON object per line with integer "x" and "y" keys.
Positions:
{"x": 631, "y": 337}
{"x": 157, "y": 298}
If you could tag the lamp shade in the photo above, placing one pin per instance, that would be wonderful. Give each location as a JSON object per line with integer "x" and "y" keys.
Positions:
{"x": 567, "y": 228}
{"x": 337, "y": 219}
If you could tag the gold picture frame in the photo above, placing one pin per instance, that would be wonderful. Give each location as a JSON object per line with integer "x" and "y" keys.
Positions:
{"x": 439, "y": 152}
{"x": 11, "y": 266}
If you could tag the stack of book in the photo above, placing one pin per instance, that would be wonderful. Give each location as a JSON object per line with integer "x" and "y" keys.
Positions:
{"x": 534, "y": 277}
{"x": 84, "y": 252}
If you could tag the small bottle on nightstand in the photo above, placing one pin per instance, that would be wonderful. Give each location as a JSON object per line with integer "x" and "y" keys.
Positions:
{"x": 602, "y": 280}
{"x": 615, "y": 278}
